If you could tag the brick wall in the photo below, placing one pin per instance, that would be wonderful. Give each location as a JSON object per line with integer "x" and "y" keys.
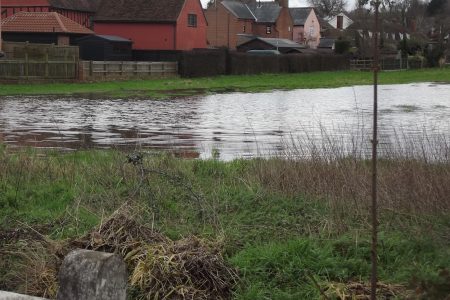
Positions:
{"x": 285, "y": 24}
{"x": 223, "y": 27}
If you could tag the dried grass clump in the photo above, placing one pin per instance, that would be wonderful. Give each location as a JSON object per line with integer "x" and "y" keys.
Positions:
{"x": 361, "y": 291}
{"x": 33, "y": 268}
{"x": 120, "y": 233}
{"x": 159, "y": 268}
{"x": 185, "y": 269}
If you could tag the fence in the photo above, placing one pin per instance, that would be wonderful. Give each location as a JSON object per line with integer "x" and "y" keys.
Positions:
{"x": 39, "y": 52}
{"x": 222, "y": 62}
{"x": 385, "y": 64}
{"x": 97, "y": 70}
{"x": 34, "y": 69}
{"x": 38, "y": 61}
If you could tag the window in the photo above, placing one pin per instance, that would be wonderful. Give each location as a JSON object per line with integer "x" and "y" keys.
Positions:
{"x": 192, "y": 20}
{"x": 340, "y": 22}
{"x": 243, "y": 28}
{"x": 269, "y": 29}
{"x": 311, "y": 30}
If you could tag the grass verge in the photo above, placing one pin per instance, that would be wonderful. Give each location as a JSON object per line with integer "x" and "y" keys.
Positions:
{"x": 176, "y": 87}
{"x": 293, "y": 229}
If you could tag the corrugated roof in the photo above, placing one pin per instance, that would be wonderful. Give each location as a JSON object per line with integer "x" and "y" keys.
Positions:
{"x": 299, "y": 15}
{"x": 238, "y": 9}
{"x": 265, "y": 12}
{"x": 140, "y": 10}
{"x": 42, "y": 22}
{"x": 281, "y": 43}
{"x": 113, "y": 38}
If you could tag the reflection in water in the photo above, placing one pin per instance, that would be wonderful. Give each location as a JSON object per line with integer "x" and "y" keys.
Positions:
{"x": 232, "y": 125}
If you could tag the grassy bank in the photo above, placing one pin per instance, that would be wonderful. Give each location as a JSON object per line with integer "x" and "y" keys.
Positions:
{"x": 171, "y": 87}
{"x": 293, "y": 229}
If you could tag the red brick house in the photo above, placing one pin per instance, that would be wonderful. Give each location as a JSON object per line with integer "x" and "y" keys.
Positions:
{"x": 230, "y": 20}
{"x": 154, "y": 24}
{"x": 42, "y": 27}
{"x": 80, "y": 11}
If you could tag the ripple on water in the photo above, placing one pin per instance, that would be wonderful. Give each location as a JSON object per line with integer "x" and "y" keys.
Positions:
{"x": 234, "y": 125}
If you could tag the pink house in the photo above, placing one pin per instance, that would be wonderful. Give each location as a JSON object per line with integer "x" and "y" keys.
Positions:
{"x": 306, "y": 29}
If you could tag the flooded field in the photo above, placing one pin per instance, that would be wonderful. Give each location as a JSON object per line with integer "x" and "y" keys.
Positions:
{"x": 228, "y": 125}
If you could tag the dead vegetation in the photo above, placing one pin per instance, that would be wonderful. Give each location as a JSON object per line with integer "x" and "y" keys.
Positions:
{"x": 361, "y": 291}
{"x": 159, "y": 268}
{"x": 413, "y": 175}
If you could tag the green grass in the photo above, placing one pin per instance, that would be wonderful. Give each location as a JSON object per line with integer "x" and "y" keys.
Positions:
{"x": 277, "y": 240}
{"x": 288, "y": 270}
{"x": 175, "y": 87}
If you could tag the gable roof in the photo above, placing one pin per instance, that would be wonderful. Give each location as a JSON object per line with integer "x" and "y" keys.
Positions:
{"x": 162, "y": 11}
{"x": 42, "y": 22}
{"x": 260, "y": 12}
{"x": 265, "y": 12}
{"x": 238, "y": 9}
{"x": 79, "y": 5}
{"x": 299, "y": 15}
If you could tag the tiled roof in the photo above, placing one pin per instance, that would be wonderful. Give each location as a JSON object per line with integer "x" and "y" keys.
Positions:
{"x": 261, "y": 12}
{"x": 42, "y": 22}
{"x": 239, "y": 9}
{"x": 299, "y": 15}
{"x": 265, "y": 12}
{"x": 140, "y": 10}
{"x": 79, "y": 5}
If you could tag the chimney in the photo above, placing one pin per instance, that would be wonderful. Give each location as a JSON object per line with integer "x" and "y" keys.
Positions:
{"x": 283, "y": 3}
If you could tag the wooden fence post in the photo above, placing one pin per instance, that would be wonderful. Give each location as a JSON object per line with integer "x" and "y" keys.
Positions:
{"x": 46, "y": 64}
{"x": 91, "y": 68}
{"x": 26, "y": 65}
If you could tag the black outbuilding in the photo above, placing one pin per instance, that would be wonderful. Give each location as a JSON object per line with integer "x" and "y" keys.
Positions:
{"x": 104, "y": 48}
{"x": 282, "y": 45}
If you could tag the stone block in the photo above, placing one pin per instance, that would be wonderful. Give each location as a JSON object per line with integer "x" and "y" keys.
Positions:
{"x": 92, "y": 275}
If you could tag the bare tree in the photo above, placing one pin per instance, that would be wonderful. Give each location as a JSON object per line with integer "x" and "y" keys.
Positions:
{"x": 327, "y": 8}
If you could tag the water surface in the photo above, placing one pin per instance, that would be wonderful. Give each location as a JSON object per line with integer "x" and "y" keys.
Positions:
{"x": 229, "y": 125}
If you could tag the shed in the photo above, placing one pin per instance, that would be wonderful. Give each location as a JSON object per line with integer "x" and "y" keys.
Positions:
{"x": 326, "y": 43}
{"x": 104, "y": 47}
{"x": 282, "y": 45}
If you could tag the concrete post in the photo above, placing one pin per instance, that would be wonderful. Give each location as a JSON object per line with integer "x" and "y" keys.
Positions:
{"x": 13, "y": 296}
{"x": 92, "y": 275}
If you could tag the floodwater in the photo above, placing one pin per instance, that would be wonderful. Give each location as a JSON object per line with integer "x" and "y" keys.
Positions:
{"x": 230, "y": 125}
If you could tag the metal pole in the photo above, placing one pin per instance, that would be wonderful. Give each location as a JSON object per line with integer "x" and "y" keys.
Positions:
{"x": 0, "y": 27}
{"x": 373, "y": 294}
